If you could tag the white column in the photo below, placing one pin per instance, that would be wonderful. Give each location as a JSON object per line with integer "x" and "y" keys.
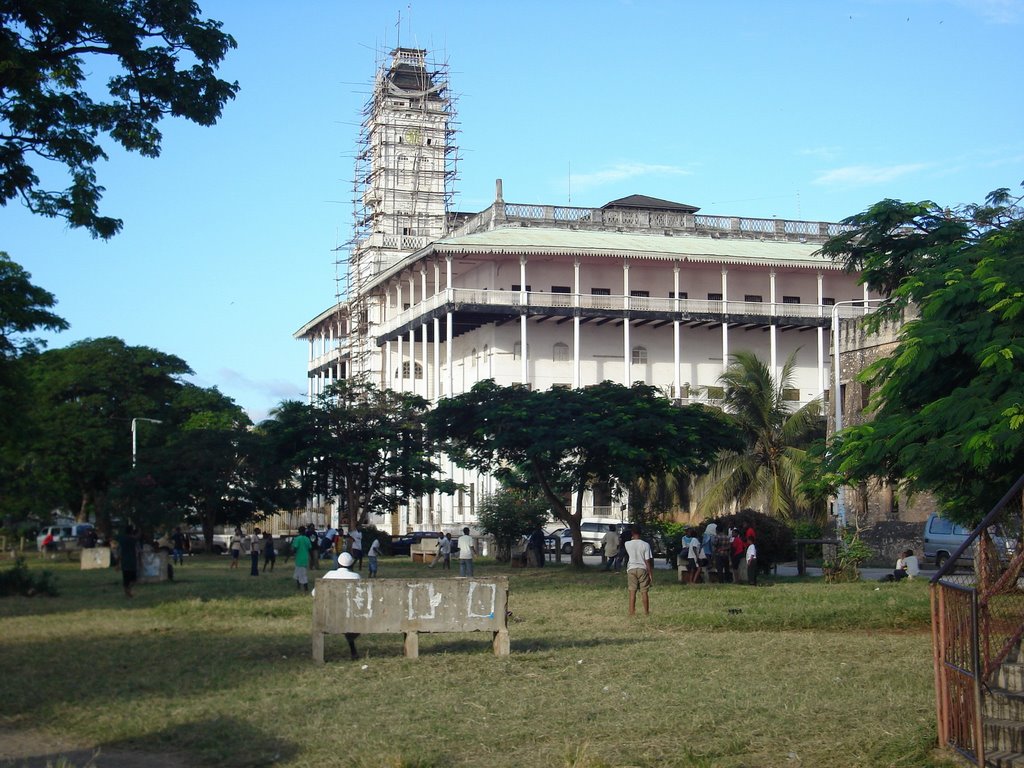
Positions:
{"x": 523, "y": 348}
{"x": 866, "y": 296}
{"x": 773, "y": 357}
{"x": 725, "y": 324}
{"x": 677, "y": 380}
{"x": 436, "y": 376}
{"x": 627, "y": 356}
{"x": 448, "y": 271}
{"x": 412, "y": 361}
{"x": 821, "y": 334}
{"x": 448, "y": 350}
{"x": 387, "y": 365}
{"x": 576, "y": 372}
{"x": 423, "y": 364}
{"x": 576, "y": 353}
{"x": 524, "y": 370}
{"x": 401, "y": 365}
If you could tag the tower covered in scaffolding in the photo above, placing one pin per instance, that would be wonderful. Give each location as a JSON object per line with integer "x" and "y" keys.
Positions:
{"x": 403, "y": 186}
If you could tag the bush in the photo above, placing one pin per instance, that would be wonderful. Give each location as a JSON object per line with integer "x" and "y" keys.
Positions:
{"x": 807, "y": 530}
{"x": 774, "y": 538}
{"x": 371, "y": 532}
{"x": 19, "y": 581}
{"x": 845, "y": 566}
{"x": 508, "y": 515}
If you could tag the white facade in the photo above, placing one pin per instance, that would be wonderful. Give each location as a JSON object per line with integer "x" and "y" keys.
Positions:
{"x": 640, "y": 290}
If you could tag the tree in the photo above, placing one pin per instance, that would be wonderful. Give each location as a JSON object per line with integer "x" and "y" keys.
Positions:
{"x": 24, "y": 308}
{"x": 766, "y": 470}
{"x": 206, "y": 471}
{"x": 84, "y": 398}
{"x": 947, "y": 415}
{"x": 566, "y": 441}
{"x": 164, "y": 58}
{"x": 365, "y": 445}
{"x": 508, "y": 515}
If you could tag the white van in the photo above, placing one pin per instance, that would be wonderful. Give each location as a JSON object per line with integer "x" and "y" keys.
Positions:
{"x": 943, "y": 537}
{"x": 592, "y": 531}
{"x": 64, "y": 536}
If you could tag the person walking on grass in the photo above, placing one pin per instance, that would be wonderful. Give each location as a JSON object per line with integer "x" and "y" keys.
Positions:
{"x": 466, "y": 551}
{"x": 235, "y": 546}
{"x": 269, "y": 553}
{"x": 444, "y": 552}
{"x": 609, "y": 546}
{"x": 639, "y": 571}
{"x": 128, "y": 557}
{"x": 752, "y": 563}
{"x": 371, "y": 557}
{"x": 301, "y": 546}
{"x": 254, "y": 553}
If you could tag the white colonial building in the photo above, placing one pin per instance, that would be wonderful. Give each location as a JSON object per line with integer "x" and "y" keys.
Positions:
{"x": 638, "y": 290}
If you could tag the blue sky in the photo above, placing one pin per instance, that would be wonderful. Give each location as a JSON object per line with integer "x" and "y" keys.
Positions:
{"x": 810, "y": 110}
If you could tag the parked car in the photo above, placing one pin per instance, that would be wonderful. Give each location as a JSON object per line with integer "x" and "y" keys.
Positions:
{"x": 943, "y": 537}
{"x": 401, "y": 545}
{"x": 592, "y": 532}
{"x": 64, "y": 536}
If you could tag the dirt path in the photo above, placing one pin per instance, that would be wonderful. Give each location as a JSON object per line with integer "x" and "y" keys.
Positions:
{"x": 39, "y": 749}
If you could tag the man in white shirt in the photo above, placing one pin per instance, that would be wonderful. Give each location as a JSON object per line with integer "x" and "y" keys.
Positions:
{"x": 444, "y": 553}
{"x": 752, "y": 564}
{"x": 465, "y": 553}
{"x": 639, "y": 571}
{"x": 609, "y": 546}
{"x": 907, "y": 567}
{"x": 356, "y": 537}
{"x": 344, "y": 571}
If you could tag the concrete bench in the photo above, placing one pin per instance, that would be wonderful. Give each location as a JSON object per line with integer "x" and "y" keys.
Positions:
{"x": 383, "y": 606}
{"x": 423, "y": 551}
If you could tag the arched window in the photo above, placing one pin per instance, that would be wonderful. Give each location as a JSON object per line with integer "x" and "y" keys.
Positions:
{"x": 560, "y": 352}
{"x": 517, "y": 351}
{"x": 472, "y": 358}
{"x": 418, "y": 370}
{"x": 639, "y": 355}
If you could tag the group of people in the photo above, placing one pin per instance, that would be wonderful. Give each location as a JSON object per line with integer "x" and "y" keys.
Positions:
{"x": 466, "y": 547}
{"x": 718, "y": 557}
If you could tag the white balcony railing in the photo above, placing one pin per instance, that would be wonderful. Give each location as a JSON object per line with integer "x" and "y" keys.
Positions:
{"x": 541, "y": 300}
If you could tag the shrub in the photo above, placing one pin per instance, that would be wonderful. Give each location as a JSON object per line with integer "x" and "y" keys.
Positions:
{"x": 774, "y": 538}
{"x": 845, "y": 566}
{"x": 19, "y": 581}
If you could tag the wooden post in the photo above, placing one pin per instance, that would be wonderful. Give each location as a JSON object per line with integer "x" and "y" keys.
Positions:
{"x": 501, "y": 643}
{"x": 318, "y": 647}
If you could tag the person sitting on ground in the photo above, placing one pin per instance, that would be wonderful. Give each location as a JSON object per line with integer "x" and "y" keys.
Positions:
{"x": 907, "y": 567}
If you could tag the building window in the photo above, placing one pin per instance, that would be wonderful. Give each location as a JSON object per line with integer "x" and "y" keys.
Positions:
{"x": 561, "y": 289}
{"x": 865, "y": 395}
{"x": 640, "y": 294}
{"x": 517, "y": 287}
{"x": 714, "y": 297}
{"x": 560, "y": 352}
{"x": 828, "y": 301}
{"x": 791, "y": 395}
{"x": 472, "y": 358}
{"x": 682, "y": 295}
{"x": 517, "y": 350}
{"x": 715, "y": 393}
{"x": 405, "y": 370}
{"x": 639, "y": 356}
{"x": 790, "y": 299}
{"x": 600, "y": 291}
{"x": 753, "y": 297}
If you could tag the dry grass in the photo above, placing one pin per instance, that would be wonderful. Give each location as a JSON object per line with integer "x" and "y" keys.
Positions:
{"x": 217, "y": 666}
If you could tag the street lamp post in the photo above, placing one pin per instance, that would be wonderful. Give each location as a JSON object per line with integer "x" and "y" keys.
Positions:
{"x": 134, "y": 429}
{"x": 836, "y": 396}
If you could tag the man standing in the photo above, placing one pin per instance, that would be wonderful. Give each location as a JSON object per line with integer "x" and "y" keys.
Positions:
{"x": 372, "y": 556}
{"x": 609, "y": 546}
{"x": 178, "y": 546}
{"x": 254, "y": 553}
{"x": 752, "y": 564}
{"x": 356, "y": 536}
{"x": 301, "y": 546}
{"x": 128, "y": 555}
{"x": 639, "y": 571}
{"x": 465, "y": 553}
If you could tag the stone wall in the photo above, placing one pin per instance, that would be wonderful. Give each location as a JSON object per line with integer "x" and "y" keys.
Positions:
{"x": 889, "y": 539}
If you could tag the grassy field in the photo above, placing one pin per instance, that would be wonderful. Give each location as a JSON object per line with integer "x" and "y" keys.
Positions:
{"x": 215, "y": 669}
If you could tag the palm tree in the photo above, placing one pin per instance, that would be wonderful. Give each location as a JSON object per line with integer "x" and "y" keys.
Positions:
{"x": 765, "y": 475}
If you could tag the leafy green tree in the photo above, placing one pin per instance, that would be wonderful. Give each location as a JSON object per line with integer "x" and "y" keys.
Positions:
{"x": 24, "y": 308}
{"x": 163, "y": 58}
{"x": 365, "y": 445}
{"x": 947, "y": 413}
{"x": 566, "y": 441}
{"x": 508, "y": 515}
{"x": 766, "y": 470}
{"x": 287, "y": 454}
{"x": 206, "y": 470}
{"x": 84, "y": 398}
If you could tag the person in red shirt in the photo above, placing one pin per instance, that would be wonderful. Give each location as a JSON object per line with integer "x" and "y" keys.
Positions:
{"x": 737, "y": 549}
